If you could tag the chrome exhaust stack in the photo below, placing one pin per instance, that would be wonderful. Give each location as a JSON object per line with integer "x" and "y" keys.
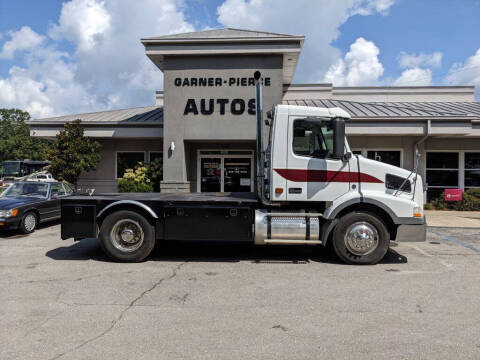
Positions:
{"x": 259, "y": 150}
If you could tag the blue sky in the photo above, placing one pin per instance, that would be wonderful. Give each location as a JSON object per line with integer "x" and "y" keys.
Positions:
{"x": 56, "y": 56}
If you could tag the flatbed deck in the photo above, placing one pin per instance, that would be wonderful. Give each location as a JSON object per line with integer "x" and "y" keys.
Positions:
{"x": 236, "y": 197}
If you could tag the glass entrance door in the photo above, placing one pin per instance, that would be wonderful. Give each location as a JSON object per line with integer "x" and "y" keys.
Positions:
{"x": 211, "y": 175}
{"x": 237, "y": 174}
{"x": 225, "y": 171}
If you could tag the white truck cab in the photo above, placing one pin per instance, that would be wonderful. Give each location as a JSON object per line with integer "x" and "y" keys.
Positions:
{"x": 309, "y": 163}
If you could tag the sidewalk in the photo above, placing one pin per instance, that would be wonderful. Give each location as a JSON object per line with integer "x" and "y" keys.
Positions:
{"x": 469, "y": 219}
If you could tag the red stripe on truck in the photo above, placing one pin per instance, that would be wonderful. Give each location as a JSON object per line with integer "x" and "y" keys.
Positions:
{"x": 302, "y": 175}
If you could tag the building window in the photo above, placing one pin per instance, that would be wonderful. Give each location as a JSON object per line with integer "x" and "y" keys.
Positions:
{"x": 154, "y": 155}
{"x": 472, "y": 170}
{"x": 392, "y": 157}
{"x": 128, "y": 160}
{"x": 442, "y": 172}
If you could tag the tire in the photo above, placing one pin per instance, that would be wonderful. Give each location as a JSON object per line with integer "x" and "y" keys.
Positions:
{"x": 29, "y": 223}
{"x": 127, "y": 236}
{"x": 360, "y": 238}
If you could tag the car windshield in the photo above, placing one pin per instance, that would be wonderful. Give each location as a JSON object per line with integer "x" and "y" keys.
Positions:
{"x": 27, "y": 189}
{"x": 11, "y": 168}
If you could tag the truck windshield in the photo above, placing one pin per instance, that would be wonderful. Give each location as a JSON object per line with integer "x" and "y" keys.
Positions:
{"x": 11, "y": 168}
{"x": 36, "y": 190}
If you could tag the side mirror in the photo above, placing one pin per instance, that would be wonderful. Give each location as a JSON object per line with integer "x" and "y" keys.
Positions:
{"x": 338, "y": 126}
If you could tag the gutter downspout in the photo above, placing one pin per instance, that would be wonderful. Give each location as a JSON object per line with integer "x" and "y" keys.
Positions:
{"x": 427, "y": 134}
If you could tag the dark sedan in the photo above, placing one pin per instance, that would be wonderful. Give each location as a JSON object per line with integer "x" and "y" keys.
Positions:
{"x": 24, "y": 205}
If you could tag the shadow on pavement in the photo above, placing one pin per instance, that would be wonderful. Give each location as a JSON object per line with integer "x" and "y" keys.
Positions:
{"x": 89, "y": 249}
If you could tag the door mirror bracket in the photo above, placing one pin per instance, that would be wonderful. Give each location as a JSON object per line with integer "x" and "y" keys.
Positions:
{"x": 346, "y": 157}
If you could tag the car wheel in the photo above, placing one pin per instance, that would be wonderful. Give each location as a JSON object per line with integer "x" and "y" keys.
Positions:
{"x": 361, "y": 238}
{"x": 28, "y": 223}
{"x": 127, "y": 236}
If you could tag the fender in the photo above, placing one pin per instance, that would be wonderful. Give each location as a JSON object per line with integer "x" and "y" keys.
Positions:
{"x": 332, "y": 211}
{"x": 129, "y": 202}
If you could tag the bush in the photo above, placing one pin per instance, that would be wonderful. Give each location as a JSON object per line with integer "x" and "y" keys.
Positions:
{"x": 470, "y": 202}
{"x": 428, "y": 206}
{"x": 135, "y": 181}
{"x": 155, "y": 173}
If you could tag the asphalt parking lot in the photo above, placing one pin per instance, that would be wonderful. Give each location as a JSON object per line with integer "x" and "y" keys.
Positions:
{"x": 65, "y": 300}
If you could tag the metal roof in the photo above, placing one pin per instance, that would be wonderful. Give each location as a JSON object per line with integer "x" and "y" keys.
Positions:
{"x": 149, "y": 115}
{"x": 373, "y": 110}
{"x": 223, "y": 33}
{"x": 153, "y": 115}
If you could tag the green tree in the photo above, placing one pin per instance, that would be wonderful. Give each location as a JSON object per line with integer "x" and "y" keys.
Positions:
{"x": 15, "y": 140}
{"x": 73, "y": 153}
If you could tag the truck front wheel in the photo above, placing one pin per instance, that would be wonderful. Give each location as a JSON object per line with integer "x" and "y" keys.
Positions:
{"x": 127, "y": 236}
{"x": 361, "y": 238}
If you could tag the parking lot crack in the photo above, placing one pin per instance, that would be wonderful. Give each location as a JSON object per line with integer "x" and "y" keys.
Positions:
{"x": 123, "y": 312}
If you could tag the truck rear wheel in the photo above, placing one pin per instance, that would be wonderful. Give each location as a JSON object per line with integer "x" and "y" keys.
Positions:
{"x": 360, "y": 238}
{"x": 127, "y": 236}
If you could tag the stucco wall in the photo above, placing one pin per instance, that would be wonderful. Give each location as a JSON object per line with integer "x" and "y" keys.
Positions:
{"x": 403, "y": 143}
{"x": 182, "y": 125}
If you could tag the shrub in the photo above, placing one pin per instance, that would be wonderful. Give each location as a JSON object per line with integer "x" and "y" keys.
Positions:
{"x": 155, "y": 173}
{"x": 428, "y": 206}
{"x": 135, "y": 180}
{"x": 470, "y": 202}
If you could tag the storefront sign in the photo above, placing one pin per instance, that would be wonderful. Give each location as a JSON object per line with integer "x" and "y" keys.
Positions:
{"x": 453, "y": 194}
{"x": 221, "y": 106}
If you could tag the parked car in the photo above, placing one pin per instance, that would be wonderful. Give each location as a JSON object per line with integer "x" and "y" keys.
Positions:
{"x": 24, "y": 205}
{"x": 43, "y": 176}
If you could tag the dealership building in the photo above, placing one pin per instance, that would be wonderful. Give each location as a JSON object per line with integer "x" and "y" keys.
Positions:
{"x": 203, "y": 126}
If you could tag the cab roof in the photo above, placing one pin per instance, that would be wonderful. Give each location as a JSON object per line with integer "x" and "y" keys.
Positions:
{"x": 314, "y": 111}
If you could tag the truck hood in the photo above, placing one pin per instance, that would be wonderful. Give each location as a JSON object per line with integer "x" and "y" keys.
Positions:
{"x": 380, "y": 169}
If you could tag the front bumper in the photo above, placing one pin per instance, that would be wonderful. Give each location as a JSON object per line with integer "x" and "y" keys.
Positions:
{"x": 412, "y": 232}
{"x": 9, "y": 223}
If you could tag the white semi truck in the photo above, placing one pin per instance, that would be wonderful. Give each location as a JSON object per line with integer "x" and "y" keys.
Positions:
{"x": 311, "y": 190}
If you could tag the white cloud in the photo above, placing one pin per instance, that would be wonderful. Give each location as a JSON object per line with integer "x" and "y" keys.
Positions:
{"x": 108, "y": 68}
{"x": 83, "y": 22}
{"x": 46, "y": 86}
{"x": 414, "y": 77}
{"x": 369, "y": 7}
{"x": 318, "y": 20}
{"x": 360, "y": 66}
{"x": 21, "y": 40}
{"x": 467, "y": 73}
{"x": 406, "y": 60}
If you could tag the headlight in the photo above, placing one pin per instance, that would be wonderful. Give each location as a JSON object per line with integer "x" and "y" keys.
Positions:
{"x": 8, "y": 213}
{"x": 417, "y": 211}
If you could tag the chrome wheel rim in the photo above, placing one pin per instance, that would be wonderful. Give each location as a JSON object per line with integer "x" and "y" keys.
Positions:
{"x": 361, "y": 238}
{"x": 30, "y": 222}
{"x": 127, "y": 235}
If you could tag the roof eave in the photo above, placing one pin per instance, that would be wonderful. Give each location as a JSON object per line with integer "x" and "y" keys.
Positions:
{"x": 223, "y": 39}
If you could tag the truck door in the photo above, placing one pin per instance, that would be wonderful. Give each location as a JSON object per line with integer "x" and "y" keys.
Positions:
{"x": 312, "y": 174}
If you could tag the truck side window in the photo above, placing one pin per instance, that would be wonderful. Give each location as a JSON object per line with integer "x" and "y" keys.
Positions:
{"x": 312, "y": 139}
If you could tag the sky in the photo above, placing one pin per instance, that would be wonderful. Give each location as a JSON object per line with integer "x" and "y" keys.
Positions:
{"x": 72, "y": 56}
